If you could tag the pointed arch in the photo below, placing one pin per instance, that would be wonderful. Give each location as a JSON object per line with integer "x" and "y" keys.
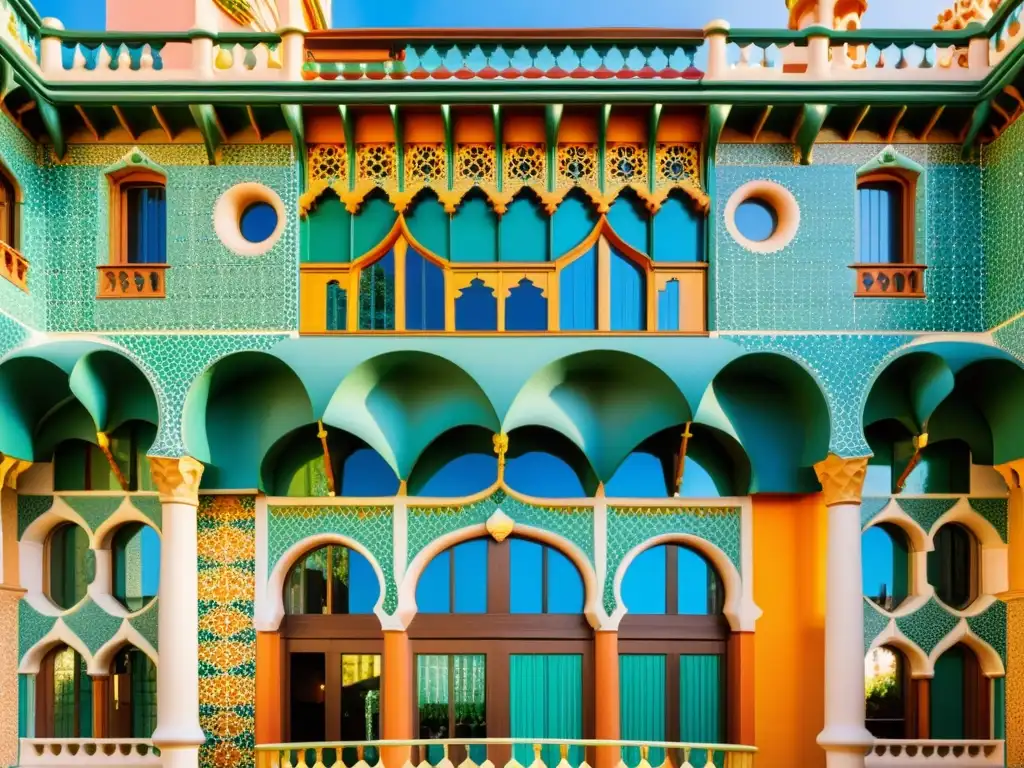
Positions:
{"x": 60, "y": 634}
{"x": 524, "y": 233}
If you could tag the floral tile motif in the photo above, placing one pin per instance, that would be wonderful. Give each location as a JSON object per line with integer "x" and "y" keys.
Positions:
{"x": 629, "y": 527}
{"x": 227, "y": 639}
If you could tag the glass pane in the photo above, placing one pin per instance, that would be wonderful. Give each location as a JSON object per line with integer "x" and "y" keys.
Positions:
{"x": 364, "y": 588}
{"x": 360, "y": 697}
{"x": 644, "y": 585}
{"x": 471, "y": 577}
{"x": 377, "y": 295}
{"x": 64, "y": 664}
{"x": 470, "y": 701}
{"x": 432, "y": 700}
{"x": 68, "y": 546}
{"x": 565, "y": 585}
{"x": 883, "y": 688}
{"x": 642, "y": 704}
{"x": 525, "y": 577}
{"x": 756, "y": 219}
{"x": 308, "y": 680}
{"x": 432, "y": 589}
{"x": 697, "y": 593}
{"x": 136, "y": 553}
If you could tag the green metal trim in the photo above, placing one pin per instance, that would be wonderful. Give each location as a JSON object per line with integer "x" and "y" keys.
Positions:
{"x": 349, "y": 129}
{"x": 396, "y": 121}
{"x": 499, "y": 147}
{"x": 293, "y": 119}
{"x": 813, "y": 118}
{"x": 449, "y": 144}
{"x": 653, "y": 122}
{"x": 713, "y": 126}
{"x": 981, "y": 113}
{"x": 206, "y": 122}
{"x": 51, "y": 122}
{"x": 7, "y": 81}
{"x": 27, "y": 12}
{"x": 552, "y": 119}
{"x": 602, "y": 143}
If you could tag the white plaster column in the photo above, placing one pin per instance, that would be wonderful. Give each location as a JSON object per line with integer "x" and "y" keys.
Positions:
{"x": 178, "y": 734}
{"x": 845, "y": 739}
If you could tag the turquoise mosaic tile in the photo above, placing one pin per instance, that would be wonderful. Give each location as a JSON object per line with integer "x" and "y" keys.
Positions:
{"x": 151, "y": 507}
{"x": 147, "y": 623}
{"x": 373, "y": 527}
{"x": 990, "y": 626}
{"x": 92, "y": 624}
{"x": 29, "y": 508}
{"x": 927, "y": 625}
{"x": 32, "y": 627}
{"x": 874, "y": 622}
{"x": 94, "y": 509}
{"x": 926, "y": 511}
{"x": 995, "y": 511}
{"x": 1003, "y": 164}
{"x": 629, "y": 527}
{"x": 871, "y": 506}
{"x": 12, "y": 333}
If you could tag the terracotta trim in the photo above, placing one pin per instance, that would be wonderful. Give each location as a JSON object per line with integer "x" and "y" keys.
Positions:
{"x": 270, "y": 697}
{"x": 397, "y": 685}
{"x": 739, "y": 695}
{"x": 102, "y": 703}
{"x": 607, "y": 714}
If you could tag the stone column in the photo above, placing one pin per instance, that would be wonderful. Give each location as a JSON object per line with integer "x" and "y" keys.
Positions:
{"x": 1013, "y": 473}
{"x": 607, "y": 717}
{"x": 844, "y": 739}
{"x": 178, "y": 734}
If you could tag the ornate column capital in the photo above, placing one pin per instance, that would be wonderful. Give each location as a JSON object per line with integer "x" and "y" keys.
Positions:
{"x": 177, "y": 479}
{"x": 1013, "y": 473}
{"x": 10, "y": 468}
{"x": 842, "y": 480}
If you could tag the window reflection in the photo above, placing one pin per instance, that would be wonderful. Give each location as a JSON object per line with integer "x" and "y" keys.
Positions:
{"x": 543, "y": 580}
{"x": 459, "y": 573}
{"x": 332, "y": 580}
{"x": 672, "y": 579}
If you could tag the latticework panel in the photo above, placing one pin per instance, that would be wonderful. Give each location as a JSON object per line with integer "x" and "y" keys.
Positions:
{"x": 475, "y": 164}
{"x": 677, "y": 163}
{"x": 376, "y": 163}
{"x": 328, "y": 162}
{"x": 525, "y": 165}
{"x": 577, "y": 165}
{"x": 626, "y": 164}
{"x": 426, "y": 164}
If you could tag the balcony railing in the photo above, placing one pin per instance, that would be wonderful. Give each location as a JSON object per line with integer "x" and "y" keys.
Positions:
{"x": 716, "y": 53}
{"x": 132, "y": 281}
{"x": 472, "y": 753}
{"x": 61, "y": 753}
{"x": 889, "y": 281}
{"x": 13, "y": 266}
{"x": 935, "y": 753}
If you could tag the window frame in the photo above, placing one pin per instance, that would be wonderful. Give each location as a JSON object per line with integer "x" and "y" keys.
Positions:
{"x": 120, "y": 185}
{"x": 11, "y": 217}
{"x": 907, "y": 214}
{"x": 46, "y": 701}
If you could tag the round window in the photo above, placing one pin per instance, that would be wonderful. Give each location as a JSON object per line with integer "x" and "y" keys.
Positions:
{"x": 258, "y": 221}
{"x": 756, "y": 219}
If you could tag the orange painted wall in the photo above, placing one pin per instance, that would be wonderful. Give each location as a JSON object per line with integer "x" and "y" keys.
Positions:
{"x": 789, "y": 587}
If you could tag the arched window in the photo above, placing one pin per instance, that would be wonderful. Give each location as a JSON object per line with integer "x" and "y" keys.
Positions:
{"x": 331, "y": 580}
{"x": 953, "y": 566}
{"x": 82, "y": 466}
{"x": 67, "y": 554}
{"x": 886, "y": 565}
{"x": 672, "y": 651}
{"x": 887, "y": 692}
{"x": 8, "y": 210}
{"x": 136, "y": 555}
{"x": 138, "y": 218}
{"x": 63, "y": 696}
{"x": 132, "y": 695}
{"x": 519, "y": 672}
{"x": 885, "y": 215}
{"x": 377, "y": 294}
{"x": 960, "y": 697}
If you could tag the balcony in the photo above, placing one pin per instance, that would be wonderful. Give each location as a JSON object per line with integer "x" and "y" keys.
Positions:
{"x": 889, "y": 281}
{"x": 132, "y": 281}
{"x": 510, "y": 753}
{"x": 13, "y": 266}
{"x": 64, "y": 753}
{"x": 935, "y": 753}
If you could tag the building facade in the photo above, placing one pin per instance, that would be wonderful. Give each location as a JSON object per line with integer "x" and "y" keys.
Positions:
{"x": 430, "y": 397}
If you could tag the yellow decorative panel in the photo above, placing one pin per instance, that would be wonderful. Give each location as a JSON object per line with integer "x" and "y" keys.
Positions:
{"x": 376, "y": 164}
{"x": 677, "y": 164}
{"x": 475, "y": 163}
{"x": 328, "y": 163}
{"x": 525, "y": 165}
{"x": 426, "y": 164}
{"x": 625, "y": 164}
{"x": 577, "y": 165}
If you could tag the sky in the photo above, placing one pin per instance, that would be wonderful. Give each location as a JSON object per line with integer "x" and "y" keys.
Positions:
{"x": 91, "y": 14}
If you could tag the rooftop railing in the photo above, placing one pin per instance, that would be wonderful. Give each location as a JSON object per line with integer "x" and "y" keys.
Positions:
{"x": 714, "y": 54}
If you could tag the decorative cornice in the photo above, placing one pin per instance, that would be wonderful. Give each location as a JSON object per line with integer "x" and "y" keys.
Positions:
{"x": 842, "y": 480}
{"x": 177, "y": 479}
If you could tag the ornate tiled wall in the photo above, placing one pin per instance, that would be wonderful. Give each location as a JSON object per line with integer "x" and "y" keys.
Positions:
{"x": 808, "y": 285}
{"x": 931, "y": 622}
{"x": 227, "y": 638}
{"x": 9, "y": 600}
{"x": 1003, "y": 170}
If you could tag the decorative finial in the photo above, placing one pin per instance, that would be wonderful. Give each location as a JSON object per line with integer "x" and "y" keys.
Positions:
{"x": 500, "y": 441}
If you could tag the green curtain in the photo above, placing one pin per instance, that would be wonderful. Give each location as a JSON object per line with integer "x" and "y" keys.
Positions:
{"x": 642, "y": 704}
{"x": 84, "y": 700}
{"x": 546, "y": 702}
{"x": 26, "y": 706}
{"x": 999, "y": 708}
{"x": 470, "y": 685}
{"x": 143, "y": 695}
{"x": 947, "y": 696}
{"x": 700, "y": 704}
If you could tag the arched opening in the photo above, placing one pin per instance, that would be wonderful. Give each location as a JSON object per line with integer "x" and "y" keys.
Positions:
{"x": 81, "y": 465}
{"x": 672, "y": 646}
{"x": 888, "y": 694}
{"x": 954, "y": 565}
{"x": 138, "y": 217}
{"x": 333, "y": 646}
{"x": 885, "y": 216}
{"x": 523, "y": 671}
{"x": 132, "y": 702}
{"x": 960, "y": 696}
{"x": 886, "y": 565}
{"x": 67, "y": 559}
{"x": 459, "y": 463}
{"x": 545, "y": 464}
{"x": 64, "y": 698}
{"x": 135, "y": 550}
{"x": 940, "y": 467}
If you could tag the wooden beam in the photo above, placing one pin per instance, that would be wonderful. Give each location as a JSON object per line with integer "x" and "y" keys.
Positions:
{"x": 205, "y": 121}
{"x": 552, "y": 119}
{"x": 895, "y": 124}
{"x": 124, "y": 122}
{"x": 973, "y": 128}
{"x": 930, "y": 125}
{"x": 1001, "y": 112}
{"x": 761, "y": 121}
{"x": 254, "y": 122}
{"x": 348, "y": 128}
{"x": 26, "y": 107}
{"x": 857, "y": 122}
{"x": 163, "y": 123}
{"x": 293, "y": 118}
{"x": 1013, "y": 93}
{"x": 812, "y": 119}
{"x": 88, "y": 123}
